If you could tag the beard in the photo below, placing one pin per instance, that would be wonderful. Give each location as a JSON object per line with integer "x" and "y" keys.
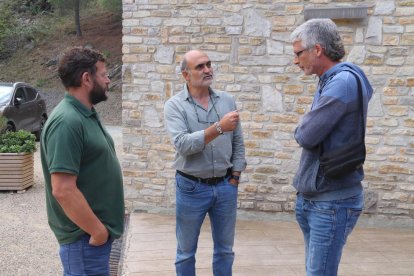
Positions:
{"x": 97, "y": 94}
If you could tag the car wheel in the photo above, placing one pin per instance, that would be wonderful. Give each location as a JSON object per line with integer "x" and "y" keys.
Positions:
{"x": 10, "y": 127}
{"x": 39, "y": 132}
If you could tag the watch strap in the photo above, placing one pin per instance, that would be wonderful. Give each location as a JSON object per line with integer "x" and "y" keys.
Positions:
{"x": 218, "y": 128}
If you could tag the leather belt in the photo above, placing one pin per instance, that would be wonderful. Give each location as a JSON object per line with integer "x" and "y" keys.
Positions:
{"x": 209, "y": 181}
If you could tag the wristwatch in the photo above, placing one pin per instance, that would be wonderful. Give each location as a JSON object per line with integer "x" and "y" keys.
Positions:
{"x": 235, "y": 177}
{"x": 218, "y": 128}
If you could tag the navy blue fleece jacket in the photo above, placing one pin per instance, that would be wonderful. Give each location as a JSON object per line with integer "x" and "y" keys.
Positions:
{"x": 334, "y": 120}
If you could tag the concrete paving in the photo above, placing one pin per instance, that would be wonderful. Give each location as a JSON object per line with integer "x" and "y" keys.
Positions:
{"x": 263, "y": 248}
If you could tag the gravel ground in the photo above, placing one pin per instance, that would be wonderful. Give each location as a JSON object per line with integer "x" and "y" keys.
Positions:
{"x": 28, "y": 246}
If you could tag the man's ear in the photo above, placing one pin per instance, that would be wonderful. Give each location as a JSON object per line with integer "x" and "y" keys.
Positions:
{"x": 319, "y": 50}
{"x": 186, "y": 75}
{"x": 86, "y": 78}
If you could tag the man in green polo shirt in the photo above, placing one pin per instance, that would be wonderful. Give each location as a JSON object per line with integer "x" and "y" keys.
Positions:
{"x": 84, "y": 192}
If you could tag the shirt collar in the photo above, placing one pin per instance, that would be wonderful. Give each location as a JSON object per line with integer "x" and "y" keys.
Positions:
{"x": 329, "y": 72}
{"x": 79, "y": 106}
{"x": 187, "y": 93}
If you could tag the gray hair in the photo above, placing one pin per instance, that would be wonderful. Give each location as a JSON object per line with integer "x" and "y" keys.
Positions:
{"x": 183, "y": 66}
{"x": 321, "y": 31}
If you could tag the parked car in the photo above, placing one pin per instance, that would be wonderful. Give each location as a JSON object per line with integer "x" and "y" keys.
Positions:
{"x": 23, "y": 107}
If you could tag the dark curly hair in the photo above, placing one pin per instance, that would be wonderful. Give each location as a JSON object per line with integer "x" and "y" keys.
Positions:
{"x": 75, "y": 62}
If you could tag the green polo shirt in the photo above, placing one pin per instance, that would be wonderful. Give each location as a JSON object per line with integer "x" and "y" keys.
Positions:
{"x": 75, "y": 142}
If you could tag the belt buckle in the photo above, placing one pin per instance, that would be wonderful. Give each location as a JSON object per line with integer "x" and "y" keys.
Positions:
{"x": 214, "y": 180}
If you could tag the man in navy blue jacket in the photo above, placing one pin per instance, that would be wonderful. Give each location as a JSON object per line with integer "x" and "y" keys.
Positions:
{"x": 327, "y": 209}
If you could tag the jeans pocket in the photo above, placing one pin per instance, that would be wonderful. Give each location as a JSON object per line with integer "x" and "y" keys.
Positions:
{"x": 322, "y": 207}
{"x": 352, "y": 218}
{"x": 233, "y": 185}
{"x": 185, "y": 185}
{"x": 320, "y": 220}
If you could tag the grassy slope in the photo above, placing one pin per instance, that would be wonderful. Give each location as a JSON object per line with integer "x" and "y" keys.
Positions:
{"x": 37, "y": 64}
{"x": 102, "y": 30}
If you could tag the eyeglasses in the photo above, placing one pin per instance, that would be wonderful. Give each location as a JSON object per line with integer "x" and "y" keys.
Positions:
{"x": 300, "y": 52}
{"x": 198, "y": 117}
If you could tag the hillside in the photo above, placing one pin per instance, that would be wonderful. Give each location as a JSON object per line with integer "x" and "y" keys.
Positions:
{"x": 36, "y": 64}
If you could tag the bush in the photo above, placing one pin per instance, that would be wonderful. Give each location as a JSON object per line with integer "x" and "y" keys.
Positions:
{"x": 112, "y": 5}
{"x": 3, "y": 124}
{"x": 7, "y": 22}
{"x": 17, "y": 142}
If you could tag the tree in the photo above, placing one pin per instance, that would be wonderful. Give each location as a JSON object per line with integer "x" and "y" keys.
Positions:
{"x": 75, "y": 5}
{"x": 77, "y": 18}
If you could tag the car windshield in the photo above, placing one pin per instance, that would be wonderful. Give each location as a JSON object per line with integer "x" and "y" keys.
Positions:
{"x": 6, "y": 93}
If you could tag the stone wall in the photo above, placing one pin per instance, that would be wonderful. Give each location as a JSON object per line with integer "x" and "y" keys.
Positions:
{"x": 248, "y": 43}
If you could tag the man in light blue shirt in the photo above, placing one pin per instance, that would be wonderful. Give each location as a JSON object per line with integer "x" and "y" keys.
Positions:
{"x": 204, "y": 126}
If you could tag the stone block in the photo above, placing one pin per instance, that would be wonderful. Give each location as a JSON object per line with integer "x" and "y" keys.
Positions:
{"x": 259, "y": 153}
{"x": 284, "y": 118}
{"x": 294, "y": 9}
{"x": 249, "y": 188}
{"x": 398, "y": 111}
{"x": 386, "y": 169}
{"x": 402, "y": 197}
{"x": 279, "y": 180}
{"x": 255, "y": 24}
{"x": 247, "y": 205}
{"x": 293, "y": 89}
{"x": 391, "y": 40}
{"x": 395, "y": 61}
{"x": 407, "y": 39}
{"x": 217, "y": 39}
{"x": 266, "y": 170}
{"x": 386, "y": 7}
{"x": 275, "y": 207}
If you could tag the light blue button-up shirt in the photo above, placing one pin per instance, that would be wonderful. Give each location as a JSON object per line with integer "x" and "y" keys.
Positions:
{"x": 186, "y": 120}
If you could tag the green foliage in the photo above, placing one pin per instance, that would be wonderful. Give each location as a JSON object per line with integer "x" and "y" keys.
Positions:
{"x": 41, "y": 82}
{"x": 6, "y": 23}
{"x": 23, "y": 23}
{"x": 106, "y": 54}
{"x": 111, "y": 5}
{"x": 17, "y": 142}
{"x": 3, "y": 124}
{"x": 65, "y": 7}
{"x": 32, "y": 7}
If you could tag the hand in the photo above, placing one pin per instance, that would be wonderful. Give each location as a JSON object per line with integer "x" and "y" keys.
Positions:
{"x": 230, "y": 121}
{"x": 234, "y": 182}
{"x": 99, "y": 238}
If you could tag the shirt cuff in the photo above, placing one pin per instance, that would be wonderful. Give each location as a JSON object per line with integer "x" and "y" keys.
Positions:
{"x": 198, "y": 141}
{"x": 239, "y": 165}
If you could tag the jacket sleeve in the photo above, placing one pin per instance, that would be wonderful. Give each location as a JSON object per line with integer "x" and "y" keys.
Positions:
{"x": 324, "y": 116}
{"x": 176, "y": 124}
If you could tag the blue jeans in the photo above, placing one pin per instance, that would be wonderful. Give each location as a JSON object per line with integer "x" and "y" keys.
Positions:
{"x": 82, "y": 259}
{"x": 326, "y": 226}
{"x": 193, "y": 201}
